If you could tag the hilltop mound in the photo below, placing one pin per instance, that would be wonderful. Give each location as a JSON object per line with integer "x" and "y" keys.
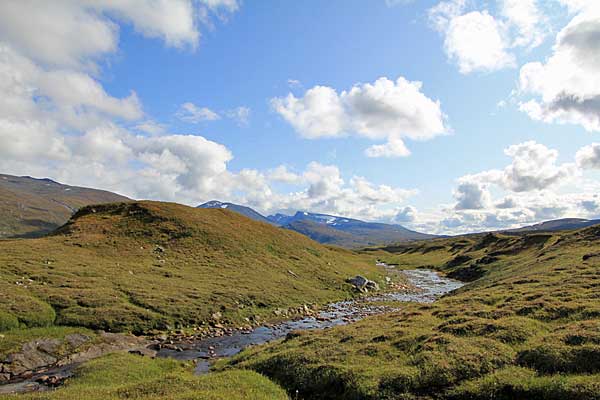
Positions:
{"x": 32, "y": 207}
{"x": 144, "y": 265}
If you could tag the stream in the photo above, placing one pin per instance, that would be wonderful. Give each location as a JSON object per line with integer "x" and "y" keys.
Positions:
{"x": 428, "y": 286}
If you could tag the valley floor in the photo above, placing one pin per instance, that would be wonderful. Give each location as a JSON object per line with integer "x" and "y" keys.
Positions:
{"x": 527, "y": 326}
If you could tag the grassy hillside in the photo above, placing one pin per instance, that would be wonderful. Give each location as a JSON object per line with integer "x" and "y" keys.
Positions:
{"x": 528, "y": 327}
{"x": 122, "y": 376}
{"x": 33, "y": 207}
{"x": 147, "y": 265}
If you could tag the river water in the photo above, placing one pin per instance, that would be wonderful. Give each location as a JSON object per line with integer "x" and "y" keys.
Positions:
{"x": 429, "y": 287}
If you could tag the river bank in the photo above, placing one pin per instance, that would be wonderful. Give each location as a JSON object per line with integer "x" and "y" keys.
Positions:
{"x": 218, "y": 342}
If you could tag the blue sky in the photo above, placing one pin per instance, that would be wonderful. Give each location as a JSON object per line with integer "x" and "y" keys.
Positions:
{"x": 193, "y": 100}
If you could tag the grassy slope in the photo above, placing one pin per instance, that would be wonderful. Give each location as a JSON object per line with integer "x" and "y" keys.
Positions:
{"x": 120, "y": 376}
{"x": 528, "y": 327}
{"x": 104, "y": 270}
{"x": 32, "y": 207}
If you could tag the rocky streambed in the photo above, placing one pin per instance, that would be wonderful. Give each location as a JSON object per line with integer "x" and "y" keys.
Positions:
{"x": 425, "y": 287}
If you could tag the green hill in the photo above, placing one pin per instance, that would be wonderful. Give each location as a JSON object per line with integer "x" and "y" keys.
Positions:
{"x": 140, "y": 266}
{"x": 526, "y": 327}
{"x": 33, "y": 207}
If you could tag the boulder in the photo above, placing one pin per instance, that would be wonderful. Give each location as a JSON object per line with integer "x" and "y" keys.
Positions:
{"x": 363, "y": 284}
{"x": 33, "y": 355}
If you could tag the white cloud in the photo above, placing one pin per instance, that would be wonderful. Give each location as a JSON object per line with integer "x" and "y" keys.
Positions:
{"x": 393, "y": 148}
{"x": 476, "y": 42}
{"x": 534, "y": 187}
{"x": 528, "y": 20}
{"x": 57, "y": 120}
{"x": 507, "y": 202}
{"x": 566, "y": 87}
{"x": 189, "y": 112}
{"x": 383, "y": 110}
{"x": 283, "y": 175}
{"x": 75, "y": 34}
{"x": 406, "y": 215}
{"x": 471, "y": 194}
{"x": 170, "y": 20}
{"x": 151, "y": 127}
{"x": 444, "y": 12}
{"x": 318, "y": 114}
{"x": 588, "y": 157}
{"x": 193, "y": 114}
{"x": 216, "y": 5}
{"x": 534, "y": 168}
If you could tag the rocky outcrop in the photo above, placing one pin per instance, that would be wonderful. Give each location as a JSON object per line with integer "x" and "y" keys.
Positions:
{"x": 363, "y": 284}
{"x": 73, "y": 349}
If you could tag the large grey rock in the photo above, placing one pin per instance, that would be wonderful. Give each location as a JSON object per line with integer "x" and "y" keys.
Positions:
{"x": 363, "y": 284}
{"x": 44, "y": 353}
{"x": 33, "y": 355}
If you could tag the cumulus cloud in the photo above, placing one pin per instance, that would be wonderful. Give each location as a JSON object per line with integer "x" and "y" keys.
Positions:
{"x": 283, "y": 175}
{"x": 534, "y": 187}
{"x": 406, "y": 214}
{"x": 471, "y": 195}
{"x": 476, "y": 40}
{"x": 566, "y": 87}
{"x": 507, "y": 202}
{"x": 588, "y": 157}
{"x": 326, "y": 191}
{"x": 382, "y": 110}
{"x": 57, "y": 120}
{"x": 533, "y": 167}
{"x": 75, "y": 34}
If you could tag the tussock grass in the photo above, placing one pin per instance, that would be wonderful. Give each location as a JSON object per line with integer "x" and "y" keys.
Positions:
{"x": 124, "y": 376}
{"x": 528, "y": 326}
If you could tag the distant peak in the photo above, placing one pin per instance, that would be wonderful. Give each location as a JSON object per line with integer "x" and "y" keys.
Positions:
{"x": 47, "y": 180}
{"x": 211, "y": 204}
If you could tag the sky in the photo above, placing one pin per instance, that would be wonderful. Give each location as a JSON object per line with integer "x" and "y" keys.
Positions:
{"x": 443, "y": 116}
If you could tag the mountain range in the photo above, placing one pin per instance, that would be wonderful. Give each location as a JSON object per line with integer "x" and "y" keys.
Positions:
{"x": 31, "y": 207}
{"x": 557, "y": 225}
{"x": 330, "y": 229}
